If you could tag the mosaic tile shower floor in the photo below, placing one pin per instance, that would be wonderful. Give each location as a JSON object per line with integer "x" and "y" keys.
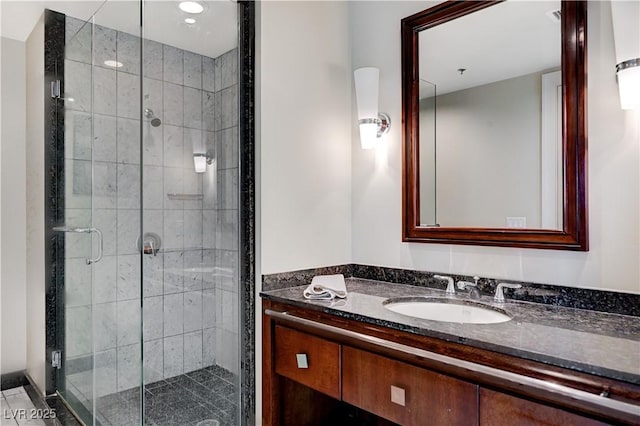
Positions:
{"x": 198, "y": 398}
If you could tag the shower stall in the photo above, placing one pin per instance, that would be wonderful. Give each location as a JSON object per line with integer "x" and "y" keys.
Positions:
{"x": 150, "y": 248}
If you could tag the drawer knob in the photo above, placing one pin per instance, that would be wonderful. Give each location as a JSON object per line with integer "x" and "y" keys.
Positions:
{"x": 302, "y": 360}
{"x": 397, "y": 395}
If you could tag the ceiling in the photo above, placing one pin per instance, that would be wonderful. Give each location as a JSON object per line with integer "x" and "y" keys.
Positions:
{"x": 509, "y": 39}
{"x": 214, "y": 32}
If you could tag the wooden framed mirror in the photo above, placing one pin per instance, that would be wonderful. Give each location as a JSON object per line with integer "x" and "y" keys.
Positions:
{"x": 447, "y": 197}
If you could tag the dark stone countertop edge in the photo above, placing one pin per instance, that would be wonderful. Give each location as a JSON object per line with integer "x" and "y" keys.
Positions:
{"x": 569, "y": 297}
{"x": 533, "y": 356}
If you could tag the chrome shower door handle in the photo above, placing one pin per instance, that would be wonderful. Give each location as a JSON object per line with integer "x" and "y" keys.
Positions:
{"x": 85, "y": 231}
{"x": 100, "y": 247}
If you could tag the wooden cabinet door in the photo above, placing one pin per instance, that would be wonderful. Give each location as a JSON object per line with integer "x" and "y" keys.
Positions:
{"x": 309, "y": 360}
{"x": 500, "y": 409}
{"x": 406, "y": 394}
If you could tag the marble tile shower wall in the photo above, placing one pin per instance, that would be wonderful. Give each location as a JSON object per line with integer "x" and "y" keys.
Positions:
{"x": 190, "y": 288}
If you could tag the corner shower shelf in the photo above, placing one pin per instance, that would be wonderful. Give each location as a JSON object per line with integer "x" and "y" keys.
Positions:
{"x": 185, "y": 197}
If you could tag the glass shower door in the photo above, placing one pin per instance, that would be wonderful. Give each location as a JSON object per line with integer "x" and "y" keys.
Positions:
{"x": 102, "y": 350}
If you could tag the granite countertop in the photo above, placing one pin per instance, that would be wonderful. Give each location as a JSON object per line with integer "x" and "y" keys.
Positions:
{"x": 598, "y": 343}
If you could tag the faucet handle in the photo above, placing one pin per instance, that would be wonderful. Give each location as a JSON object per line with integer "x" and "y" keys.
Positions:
{"x": 154, "y": 250}
{"x": 499, "y": 297}
{"x": 450, "y": 287}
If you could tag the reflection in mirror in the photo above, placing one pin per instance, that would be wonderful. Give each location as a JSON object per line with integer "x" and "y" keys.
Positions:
{"x": 494, "y": 124}
{"x": 428, "y": 137}
{"x": 490, "y": 141}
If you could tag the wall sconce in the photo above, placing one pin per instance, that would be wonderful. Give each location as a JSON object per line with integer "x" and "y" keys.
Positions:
{"x": 200, "y": 161}
{"x": 372, "y": 123}
{"x": 626, "y": 34}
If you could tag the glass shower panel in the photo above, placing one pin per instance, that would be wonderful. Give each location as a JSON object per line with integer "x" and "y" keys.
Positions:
{"x": 190, "y": 215}
{"x": 102, "y": 355}
{"x": 77, "y": 381}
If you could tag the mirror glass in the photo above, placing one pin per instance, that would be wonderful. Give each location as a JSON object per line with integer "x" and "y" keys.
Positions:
{"x": 490, "y": 119}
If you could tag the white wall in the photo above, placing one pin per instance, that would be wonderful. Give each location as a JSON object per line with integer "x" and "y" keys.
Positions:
{"x": 614, "y": 174}
{"x": 35, "y": 207}
{"x": 13, "y": 223}
{"x": 303, "y": 154}
{"x": 305, "y": 106}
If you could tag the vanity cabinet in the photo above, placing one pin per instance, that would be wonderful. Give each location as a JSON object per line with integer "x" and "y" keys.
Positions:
{"x": 322, "y": 369}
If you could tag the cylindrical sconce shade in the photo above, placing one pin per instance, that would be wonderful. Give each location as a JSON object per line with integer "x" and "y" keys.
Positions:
{"x": 366, "y": 80}
{"x": 368, "y": 135}
{"x": 629, "y": 86}
{"x": 200, "y": 162}
{"x": 373, "y": 124}
{"x": 626, "y": 33}
{"x": 367, "y": 91}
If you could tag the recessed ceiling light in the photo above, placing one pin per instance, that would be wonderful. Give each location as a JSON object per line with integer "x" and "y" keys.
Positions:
{"x": 189, "y": 20}
{"x": 191, "y": 7}
{"x": 113, "y": 64}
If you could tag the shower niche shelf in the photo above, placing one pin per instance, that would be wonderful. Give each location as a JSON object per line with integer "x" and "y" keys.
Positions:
{"x": 185, "y": 197}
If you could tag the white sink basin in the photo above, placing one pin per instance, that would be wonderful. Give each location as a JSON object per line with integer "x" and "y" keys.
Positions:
{"x": 447, "y": 310}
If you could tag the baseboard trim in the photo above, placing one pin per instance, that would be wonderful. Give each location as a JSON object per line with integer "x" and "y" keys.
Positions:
{"x": 13, "y": 380}
{"x": 39, "y": 402}
{"x": 65, "y": 415}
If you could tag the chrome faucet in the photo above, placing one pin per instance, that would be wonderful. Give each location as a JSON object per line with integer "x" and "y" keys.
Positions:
{"x": 451, "y": 289}
{"x": 499, "y": 297}
{"x": 474, "y": 293}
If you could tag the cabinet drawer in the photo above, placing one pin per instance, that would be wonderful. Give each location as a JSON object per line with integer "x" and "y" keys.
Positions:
{"x": 497, "y": 409}
{"x": 309, "y": 360}
{"x": 406, "y": 394}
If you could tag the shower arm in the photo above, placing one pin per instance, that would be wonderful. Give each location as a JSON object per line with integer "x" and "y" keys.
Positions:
{"x": 85, "y": 231}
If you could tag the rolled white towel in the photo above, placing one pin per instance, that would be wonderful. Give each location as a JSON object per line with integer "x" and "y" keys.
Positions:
{"x": 326, "y": 287}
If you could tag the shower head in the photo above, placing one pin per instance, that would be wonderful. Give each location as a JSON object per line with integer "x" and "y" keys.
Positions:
{"x": 155, "y": 121}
